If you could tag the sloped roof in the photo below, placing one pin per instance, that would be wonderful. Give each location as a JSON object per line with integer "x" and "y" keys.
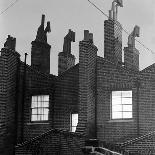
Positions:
{"x": 148, "y": 69}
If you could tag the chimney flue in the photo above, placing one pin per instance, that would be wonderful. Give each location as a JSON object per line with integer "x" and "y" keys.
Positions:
{"x": 86, "y": 35}
{"x": 91, "y": 37}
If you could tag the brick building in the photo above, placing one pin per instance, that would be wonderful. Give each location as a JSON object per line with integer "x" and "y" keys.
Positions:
{"x": 98, "y": 98}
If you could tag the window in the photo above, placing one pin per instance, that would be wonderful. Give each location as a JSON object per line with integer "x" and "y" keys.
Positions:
{"x": 40, "y": 108}
{"x": 121, "y": 105}
{"x": 74, "y": 122}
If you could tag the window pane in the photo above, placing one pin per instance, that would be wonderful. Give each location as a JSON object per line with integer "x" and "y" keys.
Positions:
{"x": 126, "y": 100}
{"x": 34, "y": 104}
{"x": 117, "y": 108}
{"x": 73, "y": 129}
{"x": 42, "y": 117}
{"x": 127, "y": 114}
{"x": 34, "y": 98}
{"x": 45, "y": 117}
{"x": 39, "y": 117}
{"x": 46, "y": 104}
{"x": 74, "y": 122}
{"x": 46, "y": 97}
{"x": 39, "y": 98}
{"x": 116, "y": 101}
{"x": 40, "y": 111}
{"x": 116, "y": 115}
{"x": 74, "y": 119}
{"x": 34, "y": 118}
{"x": 46, "y": 111}
{"x": 34, "y": 111}
{"x": 116, "y": 94}
{"x": 39, "y": 104}
{"x": 126, "y": 93}
{"x": 127, "y": 107}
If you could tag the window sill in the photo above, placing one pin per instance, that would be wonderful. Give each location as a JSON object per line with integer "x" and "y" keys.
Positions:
{"x": 37, "y": 123}
{"x": 121, "y": 120}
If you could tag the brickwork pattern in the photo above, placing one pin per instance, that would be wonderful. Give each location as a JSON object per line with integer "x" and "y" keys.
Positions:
{"x": 9, "y": 61}
{"x": 114, "y": 78}
{"x": 65, "y": 61}
{"x": 66, "y": 97}
{"x": 131, "y": 58}
{"x": 40, "y": 56}
{"x": 147, "y": 100}
{"x": 143, "y": 145}
{"x": 54, "y": 141}
{"x": 87, "y": 101}
{"x": 37, "y": 83}
{"x": 113, "y": 41}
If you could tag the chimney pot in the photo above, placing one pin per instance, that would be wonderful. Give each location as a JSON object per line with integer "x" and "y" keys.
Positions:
{"x": 86, "y": 35}
{"x": 91, "y": 37}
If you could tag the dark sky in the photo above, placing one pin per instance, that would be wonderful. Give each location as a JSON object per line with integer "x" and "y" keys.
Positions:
{"x": 22, "y": 20}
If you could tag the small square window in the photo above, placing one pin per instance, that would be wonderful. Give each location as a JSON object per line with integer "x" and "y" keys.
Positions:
{"x": 40, "y": 108}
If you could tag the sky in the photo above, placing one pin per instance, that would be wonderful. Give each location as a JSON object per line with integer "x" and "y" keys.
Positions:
{"x": 23, "y": 19}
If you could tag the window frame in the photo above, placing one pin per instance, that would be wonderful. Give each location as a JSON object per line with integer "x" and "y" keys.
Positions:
{"x": 111, "y": 107}
{"x": 41, "y": 107}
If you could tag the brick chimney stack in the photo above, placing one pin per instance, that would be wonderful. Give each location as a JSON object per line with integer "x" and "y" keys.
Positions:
{"x": 87, "y": 86}
{"x": 40, "y": 51}
{"x": 113, "y": 41}
{"x": 66, "y": 60}
{"x": 9, "y": 68}
{"x": 113, "y": 35}
{"x": 131, "y": 54}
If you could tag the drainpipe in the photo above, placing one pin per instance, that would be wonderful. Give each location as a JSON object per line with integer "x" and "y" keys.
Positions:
{"x": 23, "y": 98}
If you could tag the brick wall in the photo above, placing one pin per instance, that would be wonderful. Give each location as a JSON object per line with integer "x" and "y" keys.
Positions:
{"x": 147, "y": 100}
{"x": 37, "y": 83}
{"x": 66, "y": 97}
{"x": 111, "y": 77}
{"x": 9, "y": 61}
{"x": 63, "y": 91}
{"x": 87, "y": 87}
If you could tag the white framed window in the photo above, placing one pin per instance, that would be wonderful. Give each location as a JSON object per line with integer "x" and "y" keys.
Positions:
{"x": 121, "y": 107}
{"x": 40, "y": 108}
{"x": 74, "y": 121}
